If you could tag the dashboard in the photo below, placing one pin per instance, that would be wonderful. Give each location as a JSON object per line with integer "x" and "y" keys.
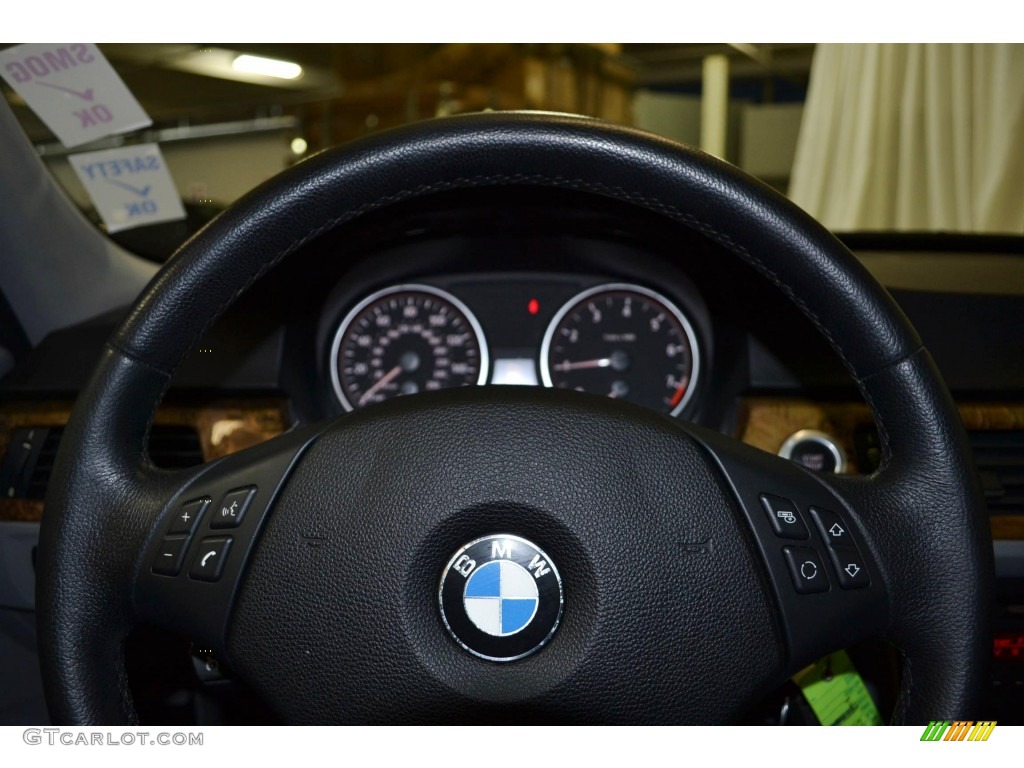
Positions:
{"x": 528, "y": 289}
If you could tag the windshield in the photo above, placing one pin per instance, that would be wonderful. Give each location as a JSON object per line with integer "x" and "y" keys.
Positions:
{"x": 867, "y": 138}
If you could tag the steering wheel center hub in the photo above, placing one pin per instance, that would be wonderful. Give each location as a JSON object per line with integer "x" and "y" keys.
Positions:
{"x": 501, "y": 597}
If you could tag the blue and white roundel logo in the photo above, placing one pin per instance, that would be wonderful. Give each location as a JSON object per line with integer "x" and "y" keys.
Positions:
{"x": 501, "y": 598}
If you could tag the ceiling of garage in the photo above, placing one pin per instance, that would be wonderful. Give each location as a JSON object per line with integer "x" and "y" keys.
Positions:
{"x": 164, "y": 79}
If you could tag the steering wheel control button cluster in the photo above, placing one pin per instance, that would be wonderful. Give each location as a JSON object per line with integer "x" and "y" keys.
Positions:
{"x": 170, "y": 556}
{"x": 849, "y": 567}
{"x": 232, "y": 508}
{"x": 173, "y": 548}
{"x": 501, "y": 597}
{"x": 806, "y": 569}
{"x": 187, "y": 518}
{"x": 209, "y": 558}
{"x": 784, "y": 517}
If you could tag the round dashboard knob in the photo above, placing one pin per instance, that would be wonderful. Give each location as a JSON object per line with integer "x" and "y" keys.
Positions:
{"x": 815, "y": 450}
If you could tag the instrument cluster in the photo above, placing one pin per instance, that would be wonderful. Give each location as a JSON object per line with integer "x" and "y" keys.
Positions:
{"x": 619, "y": 339}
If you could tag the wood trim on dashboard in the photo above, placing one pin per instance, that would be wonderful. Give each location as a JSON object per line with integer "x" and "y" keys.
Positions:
{"x": 21, "y": 510}
{"x": 1007, "y": 526}
{"x": 224, "y": 427}
{"x": 765, "y": 423}
{"x": 227, "y": 426}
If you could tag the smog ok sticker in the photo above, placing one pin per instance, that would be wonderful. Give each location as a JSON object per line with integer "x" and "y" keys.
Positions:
{"x": 129, "y": 186}
{"x": 73, "y": 89}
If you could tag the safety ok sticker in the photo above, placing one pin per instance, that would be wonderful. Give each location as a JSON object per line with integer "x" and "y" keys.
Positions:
{"x": 130, "y": 186}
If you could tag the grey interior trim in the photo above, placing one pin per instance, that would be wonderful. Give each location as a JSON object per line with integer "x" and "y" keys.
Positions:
{"x": 17, "y": 570}
{"x": 62, "y": 271}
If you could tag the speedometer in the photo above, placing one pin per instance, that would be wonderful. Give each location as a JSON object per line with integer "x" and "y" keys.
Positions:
{"x": 623, "y": 341}
{"x": 406, "y": 339}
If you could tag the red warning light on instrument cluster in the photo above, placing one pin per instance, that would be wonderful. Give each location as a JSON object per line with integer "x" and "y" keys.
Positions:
{"x": 1009, "y": 646}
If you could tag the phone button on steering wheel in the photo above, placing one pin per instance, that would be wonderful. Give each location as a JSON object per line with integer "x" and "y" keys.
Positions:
{"x": 209, "y": 558}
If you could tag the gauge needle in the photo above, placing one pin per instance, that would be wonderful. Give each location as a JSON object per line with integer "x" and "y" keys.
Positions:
{"x": 618, "y": 360}
{"x": 678, "y": 396}
{"x": 602, "y": 362}
{"x": 383, "y": 381}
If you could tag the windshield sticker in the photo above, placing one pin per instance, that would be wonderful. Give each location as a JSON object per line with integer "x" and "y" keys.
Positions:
{"x": 130, "y": 186}
{"x": 73, "y": 89}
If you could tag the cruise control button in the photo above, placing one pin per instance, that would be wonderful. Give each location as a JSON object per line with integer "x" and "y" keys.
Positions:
{"x": 209, "y": 559}
{"x": 833, "y": 530}
{"x": 232, "y": 508}
{"x": 806, "y": 568}
{"x": 849, "y": 567}
{"x": 784, "y": 517}
{"x": 170, "y": 556}
{"x": 186, "y": 518}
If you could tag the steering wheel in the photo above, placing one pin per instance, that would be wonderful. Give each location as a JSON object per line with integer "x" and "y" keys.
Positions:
{"x": 677, "y": 575}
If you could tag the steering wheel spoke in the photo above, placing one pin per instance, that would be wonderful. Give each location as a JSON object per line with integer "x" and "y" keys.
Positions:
{"x": 824, "y": 573}
{"x": 199, "y": 544}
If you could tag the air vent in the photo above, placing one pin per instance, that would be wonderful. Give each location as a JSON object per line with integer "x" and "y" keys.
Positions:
{"x": 999, "y": 457}
{"x": 174, "y": 447}
{"x": 29, "y": 462}
{"x": 39, "y": 474}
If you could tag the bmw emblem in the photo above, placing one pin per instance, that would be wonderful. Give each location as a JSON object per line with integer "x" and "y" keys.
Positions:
{"x": 501, "y": 597}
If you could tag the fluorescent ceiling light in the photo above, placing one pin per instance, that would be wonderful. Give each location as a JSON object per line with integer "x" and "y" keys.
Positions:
{"x": 258, "y": 65}
{"x": 231, "y": 65}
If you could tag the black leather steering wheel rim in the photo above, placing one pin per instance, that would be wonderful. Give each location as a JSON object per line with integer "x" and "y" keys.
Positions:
{"x": 923, "y": 506}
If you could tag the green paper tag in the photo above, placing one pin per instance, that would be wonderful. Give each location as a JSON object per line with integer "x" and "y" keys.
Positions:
{"x": 836, "y": 692}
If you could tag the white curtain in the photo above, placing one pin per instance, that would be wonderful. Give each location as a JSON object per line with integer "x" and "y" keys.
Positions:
{"x": 914, "y": 137}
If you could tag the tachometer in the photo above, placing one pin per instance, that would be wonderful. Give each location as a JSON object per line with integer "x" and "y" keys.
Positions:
{"x": 406, "y": 339}
{"x": 623, "y": 341}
